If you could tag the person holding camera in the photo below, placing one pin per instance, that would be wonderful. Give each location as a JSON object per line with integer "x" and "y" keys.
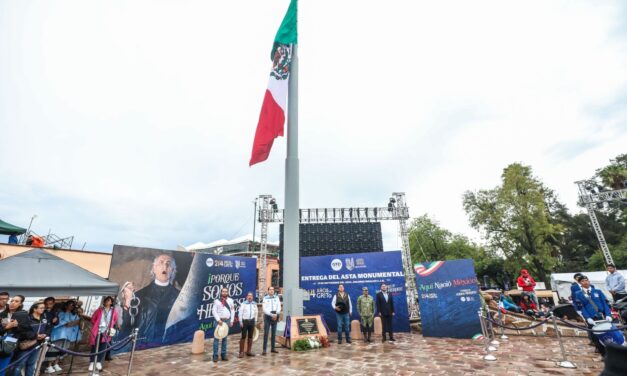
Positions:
{"x": 15, "y": 328}
{"x": 271, "y": 311}
{"x": 39, "y": 330}
{"x": 103, "y": 324}
{"x": 527, "y": 284}
{"x": 65, "y": 333}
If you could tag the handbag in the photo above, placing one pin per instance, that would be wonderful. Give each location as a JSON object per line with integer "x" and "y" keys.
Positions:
{"x": 7, "y": 346}
{"x": 27, "y": 344}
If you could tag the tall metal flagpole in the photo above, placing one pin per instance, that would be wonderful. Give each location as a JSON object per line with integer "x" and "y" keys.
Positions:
{"x": 293, "y": 299}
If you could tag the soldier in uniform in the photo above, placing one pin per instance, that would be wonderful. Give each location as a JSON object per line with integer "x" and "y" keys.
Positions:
{"x": 365, "y": 308}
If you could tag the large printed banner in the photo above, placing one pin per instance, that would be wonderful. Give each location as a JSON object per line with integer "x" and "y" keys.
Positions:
{"x": 168, "y": 295}
{"x": 321, "y": 275}
{"x": 449, "y": 298}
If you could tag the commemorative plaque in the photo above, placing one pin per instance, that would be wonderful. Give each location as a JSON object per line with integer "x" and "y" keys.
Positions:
{"x": 303, "y": 327}
{"x": 307, "y": 326}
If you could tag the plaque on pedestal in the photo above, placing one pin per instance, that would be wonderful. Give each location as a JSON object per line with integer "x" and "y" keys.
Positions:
{"x": 303, "y": 327}
{"x": 307, "y": 326}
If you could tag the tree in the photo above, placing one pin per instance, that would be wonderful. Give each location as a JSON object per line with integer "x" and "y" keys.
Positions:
{"x": 614, "y": 175}
{"x": 428, "y": 241}
{"x": 579, "y": 246}
{"x": 520, "y": 218}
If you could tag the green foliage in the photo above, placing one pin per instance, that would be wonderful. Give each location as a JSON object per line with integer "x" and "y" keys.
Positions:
{"x": 579, "y": 246}
{"x": 520, "y": 218}
{"x": 614, "y": 175}
{"x": 430, "y": 242}
{"x": 302, "y": 345}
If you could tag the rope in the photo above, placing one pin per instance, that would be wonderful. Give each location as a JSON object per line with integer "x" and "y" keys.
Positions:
{"x": 24, "y": 356}
{"x": 513, "y": 327}
{"x": 591, "y": 330}
{"x": 115, "y": 346}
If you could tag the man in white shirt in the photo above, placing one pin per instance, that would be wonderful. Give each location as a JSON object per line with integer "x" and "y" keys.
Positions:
{"x": 615, "y": 283}
{"x": 223, "y": 311}
{"x": 248, "y": 319}
{"x": 271, "y": 311}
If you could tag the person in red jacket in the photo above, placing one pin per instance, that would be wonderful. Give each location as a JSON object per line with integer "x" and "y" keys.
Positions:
{"x": 526, "y": 282}
{"x": 529, "y": 307}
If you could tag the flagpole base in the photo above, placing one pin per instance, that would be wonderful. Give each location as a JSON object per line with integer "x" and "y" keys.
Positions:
{"x": 495, "y": 343}
{"x": 492, "y": 348}
{"x": 504, "y": 337}
{"x": 567, "y": 364}
{"x": 489, "y": 358}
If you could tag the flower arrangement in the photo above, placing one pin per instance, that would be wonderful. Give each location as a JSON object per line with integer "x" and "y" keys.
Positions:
{"x": 310, "y": 343}
{"x": 324, "y": 341}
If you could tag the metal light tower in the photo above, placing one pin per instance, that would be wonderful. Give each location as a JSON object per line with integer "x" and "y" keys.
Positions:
{"x": 264, "y": 216}
{"x": 410, "y": 277}
{"x": 590, "y": 196}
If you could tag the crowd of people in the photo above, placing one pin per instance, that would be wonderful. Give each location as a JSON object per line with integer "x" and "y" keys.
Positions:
{"x": 590, "y": 303}
{"x": 223, "y": 312}
{"x": 22, "y": 331}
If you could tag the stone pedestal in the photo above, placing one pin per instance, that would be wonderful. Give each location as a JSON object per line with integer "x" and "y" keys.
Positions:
{"x": 356, "y": 330}
{"x": 198, "y": 343}
{"x": 378, "y": 327}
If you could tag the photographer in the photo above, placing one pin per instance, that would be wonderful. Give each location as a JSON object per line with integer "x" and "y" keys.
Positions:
{"x": 15, "y": 326}
{"x": 65, "y": 333}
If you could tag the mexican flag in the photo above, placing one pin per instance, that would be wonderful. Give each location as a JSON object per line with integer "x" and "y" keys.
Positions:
{"x": 274, "y": 108}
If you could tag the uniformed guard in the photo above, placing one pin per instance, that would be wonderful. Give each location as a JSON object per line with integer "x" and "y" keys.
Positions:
{"x": 365, "y": 308}
{"x": 271, "y": 311}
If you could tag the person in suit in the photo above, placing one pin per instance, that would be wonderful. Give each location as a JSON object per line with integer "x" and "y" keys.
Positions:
{"x": 593, "y": 307}
{"x": 385, "y": 310}
{"x": 574, "y": 287}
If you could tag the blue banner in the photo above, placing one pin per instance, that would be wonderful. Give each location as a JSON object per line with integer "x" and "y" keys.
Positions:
{"x": 449, "y": 298}
{"x": 169, "y": 295}
{"x": 321, "y": 275}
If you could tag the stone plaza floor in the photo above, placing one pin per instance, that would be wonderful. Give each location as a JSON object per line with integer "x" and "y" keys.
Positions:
{"x": 411, "y": 354}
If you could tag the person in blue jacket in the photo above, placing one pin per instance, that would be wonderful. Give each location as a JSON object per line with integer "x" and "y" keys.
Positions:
{"x": 593, "y": 307}
{"x": 593, "y": 302}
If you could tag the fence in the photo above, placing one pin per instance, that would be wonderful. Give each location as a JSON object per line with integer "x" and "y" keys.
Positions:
{"x": 488, "y": 332}
{"x": 43, "y": 349}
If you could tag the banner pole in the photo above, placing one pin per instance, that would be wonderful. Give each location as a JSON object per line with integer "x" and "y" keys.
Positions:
{"x": 42, "y": 355}
{"x": 564, "y": 362}
{"x": 94, "y": 371}
{"x": 488, "y": 356}
{"x": 130, "y": 360}
{"x": 502, "y": 321}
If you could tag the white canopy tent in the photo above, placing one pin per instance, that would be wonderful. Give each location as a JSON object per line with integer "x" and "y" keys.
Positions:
{"x": 561, "y": 282}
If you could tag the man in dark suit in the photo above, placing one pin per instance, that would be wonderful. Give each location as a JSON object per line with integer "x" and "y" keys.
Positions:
{"x": 385, "y": 310}
{"x": 574, "y": 287}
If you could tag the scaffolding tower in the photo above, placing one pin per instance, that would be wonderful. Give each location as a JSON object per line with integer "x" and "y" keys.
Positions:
{"x": 396, "y": 210}
{"x": 590, "y": 196}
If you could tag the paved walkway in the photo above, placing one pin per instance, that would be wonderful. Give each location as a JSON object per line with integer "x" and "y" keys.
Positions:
{"x": 410, "y": 355}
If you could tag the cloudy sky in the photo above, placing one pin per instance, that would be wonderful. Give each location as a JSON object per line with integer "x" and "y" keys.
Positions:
{"x": 131, "y": 122}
